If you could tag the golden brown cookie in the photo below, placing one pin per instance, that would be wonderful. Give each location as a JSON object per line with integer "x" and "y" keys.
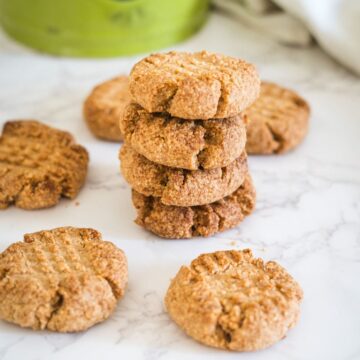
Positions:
{"x": 181, "y": 222}
{"x": 198, "y": 85}
{"x": 181, "y": 187}
{"x": 66, "y": 279}
{"x": 233, "y": 301}
{"x": 38, "y": 165}
{"x": 104, "y": 106}
{"x": 183, "y": 143}
{"x": 277, "y": 121}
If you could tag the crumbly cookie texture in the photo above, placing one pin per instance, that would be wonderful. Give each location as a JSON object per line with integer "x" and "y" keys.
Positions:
{"x": 104, "y": 107}
{"x": 38, "y": 165}
{"x": 198, "y": 85}
{"x": 183, "y": 143}
{"x": 233, "y": 301}
{"x": 181, "y": 187}
{"x": 66, "y": 279}
{"x": 277, "y": 121}
{"x": 180, "y": 222}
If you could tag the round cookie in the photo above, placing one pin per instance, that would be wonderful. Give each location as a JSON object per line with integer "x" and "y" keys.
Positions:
{"x": 66, "y": 279}
{"x": 39, "y": 165}
{"x": 233, "y": 301}
{"x": 181, "y": 222}
{"x": 199, "y": 85}
{"x": 277, "y": 121}
{"x": 104, "y": 106}
{"x": 181, "y": 187}
{"x": 181, "y": 143}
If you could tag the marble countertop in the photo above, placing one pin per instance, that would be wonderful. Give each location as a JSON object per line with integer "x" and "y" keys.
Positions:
{"x": 307, "y": 217}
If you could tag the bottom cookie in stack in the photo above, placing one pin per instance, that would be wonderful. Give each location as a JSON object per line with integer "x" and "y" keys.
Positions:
{"x": 181, "y": 222}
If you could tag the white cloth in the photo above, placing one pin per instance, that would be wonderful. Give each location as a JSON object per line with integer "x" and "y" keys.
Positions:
{"x": 335, "y": 24}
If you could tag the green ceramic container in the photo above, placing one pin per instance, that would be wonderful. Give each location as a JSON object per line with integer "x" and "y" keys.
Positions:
{"x": 100, "y": 28}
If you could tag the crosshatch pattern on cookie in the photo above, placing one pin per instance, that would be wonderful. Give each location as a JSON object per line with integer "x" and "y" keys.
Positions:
{"x": 231, "y": 300}
{"x": 65, "y": 279}
{"x": 277, "y": 121}
{"x": 201, "y": 85}
{"x": 38, "y": 165}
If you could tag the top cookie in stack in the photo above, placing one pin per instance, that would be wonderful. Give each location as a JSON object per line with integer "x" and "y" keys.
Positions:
{"x": 184, "y": 152}
{"x": 195, "y": 86}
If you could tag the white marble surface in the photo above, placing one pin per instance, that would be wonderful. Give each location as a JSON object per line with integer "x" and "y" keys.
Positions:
{"x": 307, "y": 217}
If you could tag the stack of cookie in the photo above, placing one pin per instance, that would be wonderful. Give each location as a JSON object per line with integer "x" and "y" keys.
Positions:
{"x": 184, "y": 152}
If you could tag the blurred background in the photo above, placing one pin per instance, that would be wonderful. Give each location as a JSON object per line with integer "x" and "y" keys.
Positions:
{"x": 107, "y": 28}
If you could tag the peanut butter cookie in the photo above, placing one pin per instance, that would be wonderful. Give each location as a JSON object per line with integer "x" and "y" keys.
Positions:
{"x": 104, "y": 106}
{"x": 181, "y": 143}
{"x": 233, "y": 301}
{"x": 198, "y": 85}
{"x": 181, "y": 187}
{"x": 181, "y": 222}
{"x": 277, "y": 121}
{"x": 66, "y": 279}
{"x": 38, "y": 165}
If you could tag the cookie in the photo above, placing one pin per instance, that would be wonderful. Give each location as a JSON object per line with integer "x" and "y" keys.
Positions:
{"x": 198, "y": 85}
{"x": 66, "y": 279}
{"x": 38, "y": 165}
{"x": 277, "y": 121}
{"x": 104, "y": 106}
{"x": 181, "y": 143}
{"x": 231, "y": 300}
{"x": 181, "y": 187}
{"x": 181, "y": 222}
